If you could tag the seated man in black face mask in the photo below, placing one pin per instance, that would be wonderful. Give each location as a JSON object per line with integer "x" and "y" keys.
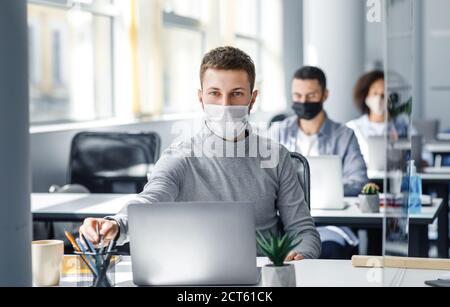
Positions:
{"x": 311, "y": 133}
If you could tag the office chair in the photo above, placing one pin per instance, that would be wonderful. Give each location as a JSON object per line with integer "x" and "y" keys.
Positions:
{"x": 278, "y": 118}
{"x": 109, "y": 162}
{"x": 303, "y": 174}
{"x": 333, "y": 247}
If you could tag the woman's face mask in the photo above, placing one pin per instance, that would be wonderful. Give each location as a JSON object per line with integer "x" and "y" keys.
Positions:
{"x": 227, "y": 122}
{"x": 375, "y": 105}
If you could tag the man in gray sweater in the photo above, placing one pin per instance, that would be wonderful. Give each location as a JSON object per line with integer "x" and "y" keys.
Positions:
{"x": 226, "y": 161}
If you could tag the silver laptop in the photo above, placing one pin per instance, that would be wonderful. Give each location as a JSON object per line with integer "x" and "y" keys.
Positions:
{"x": 378, "y": 159}
{"x": 183, "y": 244}
{"x": 377, "y": 153}
{"x": 327, "y": 189}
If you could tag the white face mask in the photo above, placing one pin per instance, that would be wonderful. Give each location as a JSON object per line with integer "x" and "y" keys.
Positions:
{"x": 226, "y": 122}
{"x": 375, "y": 105}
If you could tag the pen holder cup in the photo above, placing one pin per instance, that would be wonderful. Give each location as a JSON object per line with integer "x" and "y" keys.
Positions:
{"x": 96, "y": 270}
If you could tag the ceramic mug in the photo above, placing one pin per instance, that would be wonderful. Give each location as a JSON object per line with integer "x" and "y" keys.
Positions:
{"x": 47, "y": 259}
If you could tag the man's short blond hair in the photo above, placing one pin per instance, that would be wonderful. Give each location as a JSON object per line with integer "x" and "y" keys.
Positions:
{"x": 229, "y": 58}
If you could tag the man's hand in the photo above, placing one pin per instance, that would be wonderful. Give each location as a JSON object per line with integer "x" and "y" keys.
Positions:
{"x": 108, "y": 230}
{"x": 294, "y": 256}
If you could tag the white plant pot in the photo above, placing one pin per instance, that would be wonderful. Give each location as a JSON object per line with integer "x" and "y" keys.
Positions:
{"x": 272, "y": 276}
{"x": 369, "y": 203}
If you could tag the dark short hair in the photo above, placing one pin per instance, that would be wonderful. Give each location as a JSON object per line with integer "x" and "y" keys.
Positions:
{"x": 229, "y": 58}
{"x": 362, "y": 87}
{"x": 312, "y": 73}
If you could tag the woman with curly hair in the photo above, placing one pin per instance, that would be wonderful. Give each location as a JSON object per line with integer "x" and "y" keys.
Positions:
{"x": 368, "y": 97}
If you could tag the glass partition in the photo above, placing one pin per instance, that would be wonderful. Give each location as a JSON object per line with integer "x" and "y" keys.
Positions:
{"x": 398, "y": 184}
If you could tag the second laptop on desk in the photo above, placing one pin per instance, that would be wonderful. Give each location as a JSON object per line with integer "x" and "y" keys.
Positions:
{"x": 327, "y": 189}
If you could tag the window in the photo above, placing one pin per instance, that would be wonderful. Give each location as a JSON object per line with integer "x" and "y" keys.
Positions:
{"x": 187, "y": 8}
{"x": 34, "y": 51}
{"x": 57, "y": 58}
{"x": 248, "y": 29}
{"x": 181, "y": 69}
{"x": 191, "y": 25}
{"x": 183, "y": 48}
{"x": 246, "y": 18}
{"x": 247, "y": 25}
{"x": 70, "y": 60}
{"x": 151, "y": 51}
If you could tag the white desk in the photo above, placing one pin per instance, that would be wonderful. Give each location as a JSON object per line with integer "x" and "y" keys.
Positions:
{"x": 444, "y": 136}
{"x": 418, "y": 225}
{"x": 77, "y": 207}
{"x": 314, "y": 273}
{"x": 352, "y": 216}
{"x": 442, "y": 170}
{"x": 432, "y": 176}
{"x": 439, "y": 182}
{"x": 438, "y": 147}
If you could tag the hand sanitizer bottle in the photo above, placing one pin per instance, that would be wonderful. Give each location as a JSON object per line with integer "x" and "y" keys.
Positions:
{"x": 415, "y": 190}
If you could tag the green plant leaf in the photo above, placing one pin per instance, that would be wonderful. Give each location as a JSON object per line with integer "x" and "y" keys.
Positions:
{"x": 276, "y": 246}
{"x": 267, "y": 252}
{"x": 283, "y": 240}
{"x": 262, "y": 238}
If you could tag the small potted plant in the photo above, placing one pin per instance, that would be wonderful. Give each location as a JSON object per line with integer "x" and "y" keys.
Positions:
{"x": 369, "y": 199}
{"x": 277, "y": 248}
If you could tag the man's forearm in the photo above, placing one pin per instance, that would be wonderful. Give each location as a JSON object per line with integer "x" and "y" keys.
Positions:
{"x": 310, "y": 247}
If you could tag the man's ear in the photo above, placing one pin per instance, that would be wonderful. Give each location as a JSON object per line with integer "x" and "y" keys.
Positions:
{"x": 326, "y": 95}
{"x": 200, "y": 97}
{"x": 253, "y": 101}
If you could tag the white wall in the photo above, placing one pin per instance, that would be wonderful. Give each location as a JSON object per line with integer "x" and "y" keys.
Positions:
{"x": 429, "y": 70}
{"x": 334, "y": 41}
{"x": 374, "y": 51}
{"x": 437, "y": 61}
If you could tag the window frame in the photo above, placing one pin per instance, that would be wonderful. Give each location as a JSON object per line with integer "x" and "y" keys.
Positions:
{"x": 34, "y": 51}
{"x": 174, "y": 20}
{"x": 105, "y": 10}
{"x": 109, "y": 11}
{"x": 170, "y": 19}
{"x": 257, "y": 39}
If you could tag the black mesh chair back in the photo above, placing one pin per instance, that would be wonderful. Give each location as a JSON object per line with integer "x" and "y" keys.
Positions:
{"x": 303, "y": 173}
{"x": 278, "y": 118}
{"x": 107, "y": 162}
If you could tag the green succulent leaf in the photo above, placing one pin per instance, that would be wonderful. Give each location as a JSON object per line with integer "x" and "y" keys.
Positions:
{"x": 276, "y": 246}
